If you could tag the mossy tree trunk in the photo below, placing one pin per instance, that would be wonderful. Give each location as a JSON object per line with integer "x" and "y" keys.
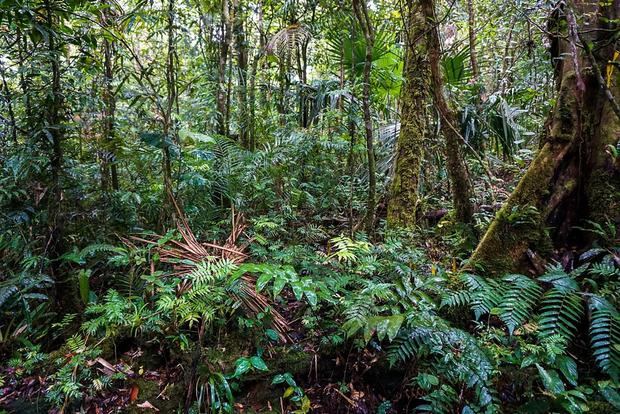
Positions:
{"x": 414, "y": 123}
{"x": 572, "y": 178}
{"x": 460, "y": 184}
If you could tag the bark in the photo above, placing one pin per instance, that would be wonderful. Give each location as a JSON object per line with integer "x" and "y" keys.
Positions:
{"x": 168, "y": 129}
{"x": 242, "y": 67}
{"x": 109, "y": 173}
{"x": 572, "y": 178}
{"x": 351, "y": 167}
{"x": 471, "y": 31}
{"x": 507, "y": 59}
{"x": 457, "y": 170}
{"x": 25, "y": 79}
{"x": 53, "y": 134}
{"x": 414, "y": 123}
{"x": 252, "y": 102}
{"x": 252, "y": 81}
{"x": 361, "y": 13}
{"x": 8, "y": 99}
{"x": 222, "y": 68}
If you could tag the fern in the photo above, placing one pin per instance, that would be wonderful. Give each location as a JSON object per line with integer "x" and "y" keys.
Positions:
{"x": 76, "y": 344}
{"x": 455, "y": 299}
{"x": 409, "y": 346}
{"x": 518, "y": 300}
{"x": 6, "y": 292}
{"x": 93, "y": 249}
{"x": 605, "y": 270}
{"x": 356, "y": 316}
{"x": 485, "y": 294}
{"x": 560, "y": 313}
{"x": 80, "y": 256}
{"x": 380, "y": 291}
{"x": 453, "y": 353}
{"x": 287, "y": 40}
{"x": 605, "y": 336}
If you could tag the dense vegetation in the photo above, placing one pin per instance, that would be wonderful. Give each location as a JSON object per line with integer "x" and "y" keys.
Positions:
{"x": 294, "y": 206}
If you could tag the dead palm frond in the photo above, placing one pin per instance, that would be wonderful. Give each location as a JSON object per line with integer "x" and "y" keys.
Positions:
{"x": 184, "y": 255}
{"x": 287, "y": 41}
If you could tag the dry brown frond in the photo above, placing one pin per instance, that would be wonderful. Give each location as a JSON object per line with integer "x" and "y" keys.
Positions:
{"x": 183, "y": 254}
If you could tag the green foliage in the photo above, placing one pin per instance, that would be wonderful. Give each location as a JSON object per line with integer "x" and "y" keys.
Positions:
{"x": 450, "y": 354}
{"x": 215, "y": 394}
{"x": 293, "y": 392}
{"x": 109, "y": 110}
{"x": 520, "y": 296}
{"x": 543, "y": 317}
{"x": 456, "y": 68}
{"x": 605, "y": 336}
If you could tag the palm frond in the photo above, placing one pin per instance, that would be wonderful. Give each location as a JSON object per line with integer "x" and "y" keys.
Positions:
{"x": 287, "y": 40}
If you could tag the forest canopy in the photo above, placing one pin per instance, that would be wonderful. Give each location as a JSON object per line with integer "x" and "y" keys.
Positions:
{"x": 310, "y": 206}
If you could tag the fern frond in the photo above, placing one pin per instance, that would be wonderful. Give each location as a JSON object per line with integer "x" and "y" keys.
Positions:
{"x": 408, "y": 346}
{"x": 518, "y": 300}
{"x": 556, "y": 276}
{"x": 560, "y": 313}
{"x": 454, "y": 352}
{"x": 605, "y": 336}
{"x": 6, "y": 292}
{"x": 356, "y": 316}
{"x": 92, "y": 249}
{"x": 485, "y": 294}
{"x": 381, "y": 291}
{"x": 474, "y": 282}
{"x": 455, "y": 299}
{"x": 606, "y": 270}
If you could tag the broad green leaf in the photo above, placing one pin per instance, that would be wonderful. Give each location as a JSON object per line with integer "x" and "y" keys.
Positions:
{"x": 271, "y": 334}
{"x": 394, "y": 324}
{"x": 568, "y": 367}
{"x": 551, "y": 380}
{"x": 311, "y": 296}
{"x": 258, "y": 363}
{"x": 185, "y": 134}
{"x": 612, "y": 396}
{"x": 262, "y": 281}
{"x": 243, "y": 366}
{"x": 278, "y": 285}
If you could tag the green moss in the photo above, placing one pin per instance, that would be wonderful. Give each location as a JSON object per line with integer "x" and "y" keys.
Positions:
{"x": 503, "y": 247}
{"x": 404, "y": 199}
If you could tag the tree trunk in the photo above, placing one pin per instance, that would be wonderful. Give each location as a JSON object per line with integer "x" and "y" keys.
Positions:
{"x": 8, "y": 99}
{"x": 572, "y": 178}
{"x": 109, "y": 173}
{"x": 168, "y": 129}
{"x": 25, "y": 80}
{"x": 457, "y": 170}
{"x": 242, "y": 67}
{"x": 222, "y": 115}
{"x": 414, "y": 123}
{"x": 252, "y": 81}
{"x": 53, "y": 134}
{"x": 361, "y": 13}
{"x": 471, "y": 31}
